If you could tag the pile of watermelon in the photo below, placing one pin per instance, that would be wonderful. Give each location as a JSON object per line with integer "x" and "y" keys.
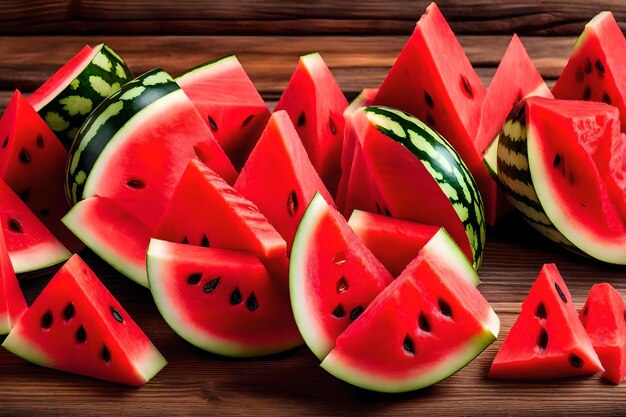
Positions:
{"x": 356, "y": 229}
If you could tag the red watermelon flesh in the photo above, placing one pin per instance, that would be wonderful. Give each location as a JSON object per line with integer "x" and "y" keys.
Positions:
{"x": 76, "y": 325}
{"x": 32, "y": 163}
{"x": 433, "y": 80}
{"x": 315, "y": 105}
{"x": 279, "y": 178}
{"x": 222, "y": 301}
{"x": 12, "y": 303}
{"x": 603, "y": 317}
{"x": 394, "y": 242}
{"x": 547, "y": 339}
{"x": 332, "y": 276}
{"x": 229, "y": 104}
{"x": 596, "y": 70}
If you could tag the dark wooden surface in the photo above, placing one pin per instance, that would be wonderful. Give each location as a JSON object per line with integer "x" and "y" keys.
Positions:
{"x": 270, "y": 37}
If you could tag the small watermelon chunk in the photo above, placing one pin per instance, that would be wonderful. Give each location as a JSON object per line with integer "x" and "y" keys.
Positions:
{"x": 547, "y": 340}
{"x": 229, "y": 104}
{"x": 365, "y": 98}
{"x": 315, "y": 105}
{"x": 12, "y": 302}
{"x": 332, "y": 277}
{"x": 76, "y": 325}
{"x": 394, "y": 242}
{"x": 279, "y": 178}
{"x": 222, "y": 301}
{"x": 429, "y": 323}
{"x": 603, "y": 317}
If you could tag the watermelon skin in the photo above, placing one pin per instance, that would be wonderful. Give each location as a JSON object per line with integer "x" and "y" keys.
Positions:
{"x": 136, "y": 145}
{"x": 429, "y": 323}
{"x": 394, "y": 242}
{"x": 12, "y": 302}
{"x": 603, "y": 320}
{"x": 547, "y": 340}
{"x": 244, "y": 314}
{"x": 315, "y": 105}
{"x": 229, "y": 104}
{"x": 279, "y": 177}
{"x": 65, "y": 100}
{"x": 110, "y": 345}
{"x": 332, "y": 276}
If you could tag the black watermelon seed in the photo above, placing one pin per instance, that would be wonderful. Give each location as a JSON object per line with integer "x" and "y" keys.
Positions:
{"x": 580, "y": 74}
{"x": 81, "y": 335}
{"x": 105, "y": 354}
{"x": 542, "y": 340}
{"x": 247, "y": 120}
{"x": 331, "y": 126}
{"x": 600, "y": 67}
{"x": 116, "y": 314}
{"x": 408, "y": 345}
{"x": 586, "y": 310}
{"x": 24, "y": 195}
{"x": 560, "y": 291}
{"x": 185, "y": 241}
{"x": 466, "y": 86}
{"x": 428, "y": 99}
{"x": 356, "y": 312}
{"x": 575, "y": 361}
{"x": 205, "y": 242}
{"x": 292, "y": 203}
{"x": 378, "y": 208}
{"x": 235, "y": 297}
{"x": 24, "y": 156}
{"x": 588, "y": 66}
{"x": 193, "y": 279}
{"x": 39, "y": 141}
{"x": 44, "y": 212}
{"x": 69, "y": 312}
{"x": 212, "y": 123}
{"x": 586, "y": 93}
{"x": 342, "y": 285}
{"x": 135, "y": 183}
{"x": 557, "y": 160}
{"x": 338, "y": 311}
{"x": 46, "y": 320}
{"x": 606, "y": 98}
{"x": 5, "y": 143}
{"x": 444, "y": 308}
{"x": 430, "y": 121}
{"x": 252, "y": 303}
{"x": 15, "y": 225}
{"x": 387, "y": 212}
{"x": 424, "y": 323}
{"x": 212, "y": 285}
{"x": 540, "y": 312}
{"x": 301, "y": 119}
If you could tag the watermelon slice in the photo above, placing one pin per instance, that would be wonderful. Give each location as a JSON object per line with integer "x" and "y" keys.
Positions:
{"x": 434, "y": 81}
{"x": 222, "y": 301}
{"x": 332, "y": 276}
{"x": 229, "y": 104}
{"x": 315, "y": 105}
{"x": 603, "y": 317}
{"x": 427, "y": 325}
{"x": 394, "y": 242}
{"x": 32, "y": 163}
{"x": 595, "y": 69}
{"x": 279, "y": 178}
{"x": 65, "y": 100}
{"x": 365, "y": 98}
{"x": 76, "y": 325}
{"x": 12, "y": 302}
{"x": 547, "y": 339}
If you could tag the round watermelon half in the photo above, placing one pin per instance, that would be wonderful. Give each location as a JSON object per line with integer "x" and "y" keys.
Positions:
{"x": 222, "y": 301}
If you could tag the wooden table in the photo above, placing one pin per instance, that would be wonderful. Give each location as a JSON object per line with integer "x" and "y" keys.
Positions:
{"x": 359, "y": 40}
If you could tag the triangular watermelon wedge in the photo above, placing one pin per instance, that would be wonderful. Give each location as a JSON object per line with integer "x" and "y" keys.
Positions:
{"x": 12, "y": 302}
{"x": 76, "y": 325}
{"x": 547, "y": 339}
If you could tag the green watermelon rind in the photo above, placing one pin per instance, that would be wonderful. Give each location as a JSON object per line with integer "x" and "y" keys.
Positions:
{"x": 40, "y": 257}
{"x": 227, "y": 59}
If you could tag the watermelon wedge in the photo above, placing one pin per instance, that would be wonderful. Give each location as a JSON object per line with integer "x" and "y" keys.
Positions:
{"x": 12, "y": 302}
{"x": 394, "y": 242}
{"x": 229, "y": 104}
{"x": 427, "y": 325}
{"x": 547, "y": 339}
{"x": 222, "y": 301}
{"x": 315, "y": 105}
{"x": 279, "y": 177}
{"x": 76, "y": 325}
{"x": 603, "y": 317}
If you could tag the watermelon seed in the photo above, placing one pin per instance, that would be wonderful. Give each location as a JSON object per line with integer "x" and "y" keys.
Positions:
{"x": 580, "y": 74}
{"x": 586, "y": 93}
{"x": 339, "y": 259}
{"x": 428, "y": 99}
{"x": 212, "y": 123}
{"x": 252, "y": 303}
{"x": 331, "y": 125}
{"x": 338, "y": 311}
{"x": 235, "y": 297}
{"x": 69, "y": 312}
{"x": 247, "y": 120}
{"x": 542, "y": 342}
{"x": 205, "y": 242}
{"x": 116, "y": 314}
{"x": 135, "y": 183}
{"x": 105, "y": 354}
{"x": 44, "y": 212}
{"x": 430, "y": 121}
{"x": 586, "y": 310}
{"x": 301, "y": 119}
{"x": 24, "y": 195}
{"x": 408, "y": 345}
{"x": 588, "y": 66}
{"x": 5, "y": 143}
{"x": 378, "y": 208}
{"x": 342, "y": 285}
{"x": 81, "y": 335}
{"x": 424, "y": 323}
{"x": 466, "y": 86}
{"x": 194, "y": 278}
{"x": 211, "y": 286}
{"x": 356, "y": 312}
{"x": 600, "y": 67}
{"x": 606, "y": 98}
{"x": 557, "y": 160}
{"x": 46, "y": 320}
{"x": 445, "y": 308}
{"x": 24, "y": 156}
{"x": 540, "y": 312}
{"x": 15, "y": 225}
{"x": 292, "y": 203}
{"x": 575, "y": 361}
{"x": 39, "y": 141}
{"x": 185, "y": 241}
{"x": 387, "y": 212}
{"x": 560, "y": 291}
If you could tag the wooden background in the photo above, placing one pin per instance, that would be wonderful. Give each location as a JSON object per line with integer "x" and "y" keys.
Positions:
{"x": 359, "y": 40}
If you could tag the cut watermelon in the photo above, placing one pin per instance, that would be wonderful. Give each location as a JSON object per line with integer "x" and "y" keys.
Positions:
{"x": 427, "y": 325}
{"x": 394, "y": 242}
{"x": 222, "y": 301}
{"x": 114, "y": 234}
{"x": 76, "y": 325}
{"x": 12, "y": 302}
{"x": 31, "y": 246}
{"x": 434, "y": 81}
{"x": 315, "y": 105}
{"x": 595, "y": 71}
{"x": 365, "y": 98}
{"x": 32, "y": 163}
{"x": 65, "y": 100}
{"x": 279, "y": 178}
{"x": 547, "y": 339}
{"x": 229, "y": 104}
{"x": 603, "y": 317}
{"x": 332, "y": 276}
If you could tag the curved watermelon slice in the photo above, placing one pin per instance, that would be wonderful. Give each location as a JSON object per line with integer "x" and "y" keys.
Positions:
{"x": 229, "y": 104}
{"x": 12, "y": 302}
{"x": 427, "y": 325}
{"x": 547, "y": 339}
{"x": 315, "y": 105}
{"x": 332, "y": 276}
{"x": 603, "y": 318}
{"x": 394, "y": 242}
{"x": 76, "y": 325}
{"x": 222, "y": 301}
